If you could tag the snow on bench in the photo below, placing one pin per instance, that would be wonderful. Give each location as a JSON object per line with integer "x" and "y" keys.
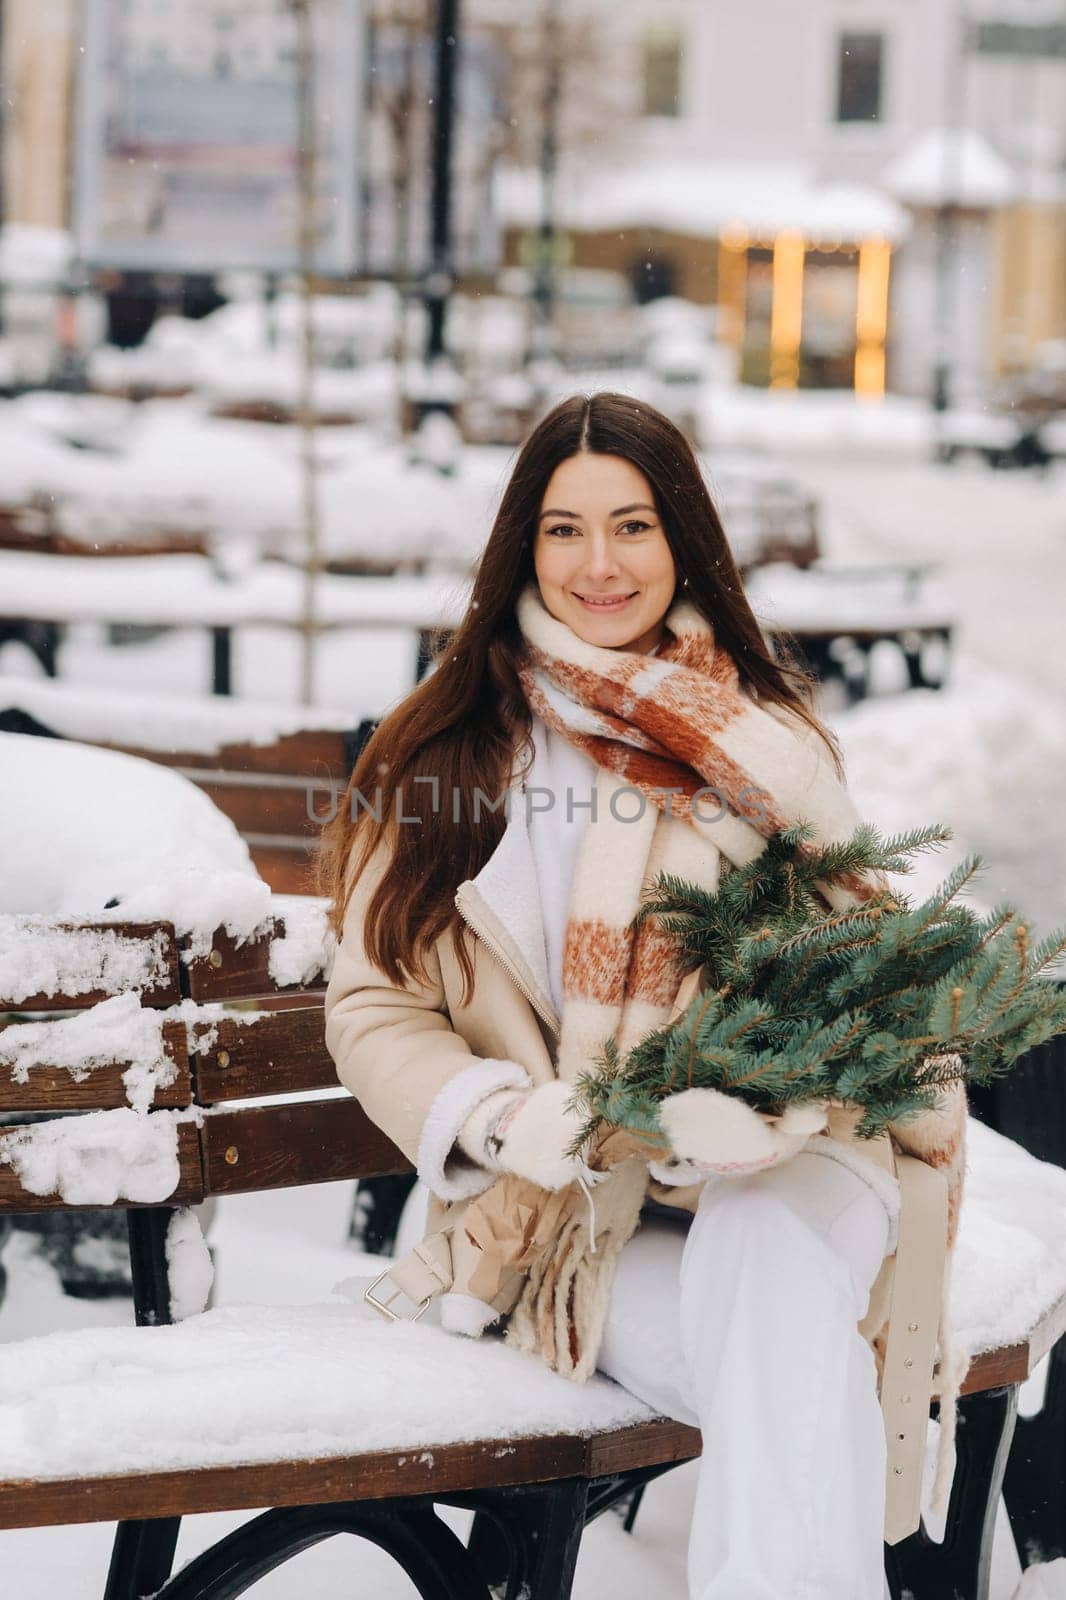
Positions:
{"x": 188, "y": 591}
{"x": 244, "y": 1384}
{"x": 194, "y": 725}
{"x": 884, "y": 599}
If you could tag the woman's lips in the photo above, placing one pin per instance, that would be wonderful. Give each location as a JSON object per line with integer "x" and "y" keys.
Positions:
{"x": 613, "y": 602}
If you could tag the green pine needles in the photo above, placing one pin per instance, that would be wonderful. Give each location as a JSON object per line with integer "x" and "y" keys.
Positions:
{"x": 876, "y": 1006}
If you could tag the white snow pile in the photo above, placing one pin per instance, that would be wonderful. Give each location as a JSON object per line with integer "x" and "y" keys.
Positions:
{"x": 118, "y": 1029}
{"x": 89, "y": 832}
{"x": 190, "y": 1270}
{"x": 940, "y": 755}
{"x": 34, "y": 256}
{"x": 262, "y": 1383}
{"x": 305, "y": 950}
{"x": 101, "y": 1157}
{"x": 39, "y": 957}
{"x": 955, "y": 744}
{"x": 1043, "y": 1581}
{"x": 1010, "y": 1256}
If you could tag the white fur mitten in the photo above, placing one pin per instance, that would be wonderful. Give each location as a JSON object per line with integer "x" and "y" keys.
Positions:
{"x": 711, "y": 1132}
{"x": 526, "y": 1134}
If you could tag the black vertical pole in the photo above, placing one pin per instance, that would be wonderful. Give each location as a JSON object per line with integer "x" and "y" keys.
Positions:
{"x": 439, "y": 280}
{"x": 950, "y": 178}
{"x": 544, "y": 270}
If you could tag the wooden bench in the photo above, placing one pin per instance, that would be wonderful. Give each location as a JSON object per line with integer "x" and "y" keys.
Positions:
{"x": 532, "y": 1495}
{"x": 41, "y": 594}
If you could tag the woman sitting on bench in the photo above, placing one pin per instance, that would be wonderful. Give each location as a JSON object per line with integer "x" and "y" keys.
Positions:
{"x": 501, "y": 824}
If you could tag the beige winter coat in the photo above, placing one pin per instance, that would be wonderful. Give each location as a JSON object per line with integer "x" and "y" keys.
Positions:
{"x": 418, "y": 1060}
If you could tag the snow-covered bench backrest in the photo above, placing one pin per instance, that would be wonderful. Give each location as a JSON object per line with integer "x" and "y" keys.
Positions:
{"x": 168, "y": 1049}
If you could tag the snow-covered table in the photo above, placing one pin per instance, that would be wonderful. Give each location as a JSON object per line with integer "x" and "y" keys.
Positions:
{"x": 840, "y": 614}
{"x": 182, "y": 591}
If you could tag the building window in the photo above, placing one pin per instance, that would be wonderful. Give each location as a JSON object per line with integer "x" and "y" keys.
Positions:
{"x": 662, "y": 70}
{"x": 860, "y": 69}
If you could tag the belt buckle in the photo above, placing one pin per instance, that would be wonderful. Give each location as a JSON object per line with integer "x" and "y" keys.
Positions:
{"x": 384, "y": 1306}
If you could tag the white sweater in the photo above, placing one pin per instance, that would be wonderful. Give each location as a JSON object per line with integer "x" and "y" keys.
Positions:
{"x": 566, "y": 778}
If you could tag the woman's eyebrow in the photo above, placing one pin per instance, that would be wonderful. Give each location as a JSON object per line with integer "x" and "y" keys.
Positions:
{"x": 640, "y": 506}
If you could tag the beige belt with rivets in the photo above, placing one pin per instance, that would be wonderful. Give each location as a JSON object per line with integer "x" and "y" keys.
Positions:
{"x": 910, "y": 1349}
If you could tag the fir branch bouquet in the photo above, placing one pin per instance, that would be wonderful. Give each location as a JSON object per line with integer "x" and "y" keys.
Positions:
{"x": 876, "y": 1007}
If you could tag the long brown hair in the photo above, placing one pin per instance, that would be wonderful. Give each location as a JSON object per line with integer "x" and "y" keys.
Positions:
{"x": 464, "y": 723}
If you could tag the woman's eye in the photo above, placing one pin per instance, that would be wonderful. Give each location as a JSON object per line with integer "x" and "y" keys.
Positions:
{"x": 565, "y": 529}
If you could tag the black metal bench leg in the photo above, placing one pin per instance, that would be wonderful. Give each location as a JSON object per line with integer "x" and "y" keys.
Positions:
{"x": 916, "y": 678}
{"x": 142, "y": 1557}
{"x": 526, "y": 1540}
{"x": 143, "y": 1552}
{"x": 1034, "y": 1486}
{"x": 147, "y": 1227}
{"x": 408, "y": 1530}
{"x": 959, "y": 1568}
{"x": 633, "y": 1507}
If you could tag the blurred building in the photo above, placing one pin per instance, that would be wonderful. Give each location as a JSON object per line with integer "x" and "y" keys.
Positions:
{"x": 859, "y": 191}
{"x": 863, "y": 189}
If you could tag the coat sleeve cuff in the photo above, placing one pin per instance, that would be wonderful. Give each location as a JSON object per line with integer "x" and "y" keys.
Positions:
{"x": 443, "y": 1168}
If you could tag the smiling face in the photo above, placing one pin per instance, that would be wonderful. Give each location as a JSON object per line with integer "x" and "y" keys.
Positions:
{"x": 600, "y": 553}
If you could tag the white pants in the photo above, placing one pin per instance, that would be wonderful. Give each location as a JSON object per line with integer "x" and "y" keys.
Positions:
{"x": 745, "y": 1325}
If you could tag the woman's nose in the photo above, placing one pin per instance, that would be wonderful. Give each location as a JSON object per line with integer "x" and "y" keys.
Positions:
{"x": 601, "y": 559}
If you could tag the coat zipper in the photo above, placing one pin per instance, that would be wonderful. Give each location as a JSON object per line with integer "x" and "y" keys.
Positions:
{"x": 508, "y": 966}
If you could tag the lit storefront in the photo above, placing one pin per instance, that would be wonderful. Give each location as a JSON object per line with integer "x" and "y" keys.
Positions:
{"x": 799, "y": 272}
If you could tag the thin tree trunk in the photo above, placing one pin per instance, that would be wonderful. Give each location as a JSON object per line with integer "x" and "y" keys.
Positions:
{"x": 305, "y": 58}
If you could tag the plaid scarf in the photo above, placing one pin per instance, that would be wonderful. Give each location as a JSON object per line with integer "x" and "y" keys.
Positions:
{"x": 690, "y": 769}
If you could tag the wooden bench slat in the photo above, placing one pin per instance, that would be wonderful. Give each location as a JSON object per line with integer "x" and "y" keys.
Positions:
{"x": 164, "y": 991}
{"x": 423, "y": 1469}
{"x": 646, "y": 1444}
{"x": 52, "y": 1088}
{"x": 277, "y": 1147}
{"x": 189, "y": 1190}
{"x": 230, "y": 970}
{"x": 283, "y": 1052}
{"x": 273, "y": 809}
{"x": 285, "y": 864}
{"x": 233, "y": 971}
{"x": 313, "y": 753}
